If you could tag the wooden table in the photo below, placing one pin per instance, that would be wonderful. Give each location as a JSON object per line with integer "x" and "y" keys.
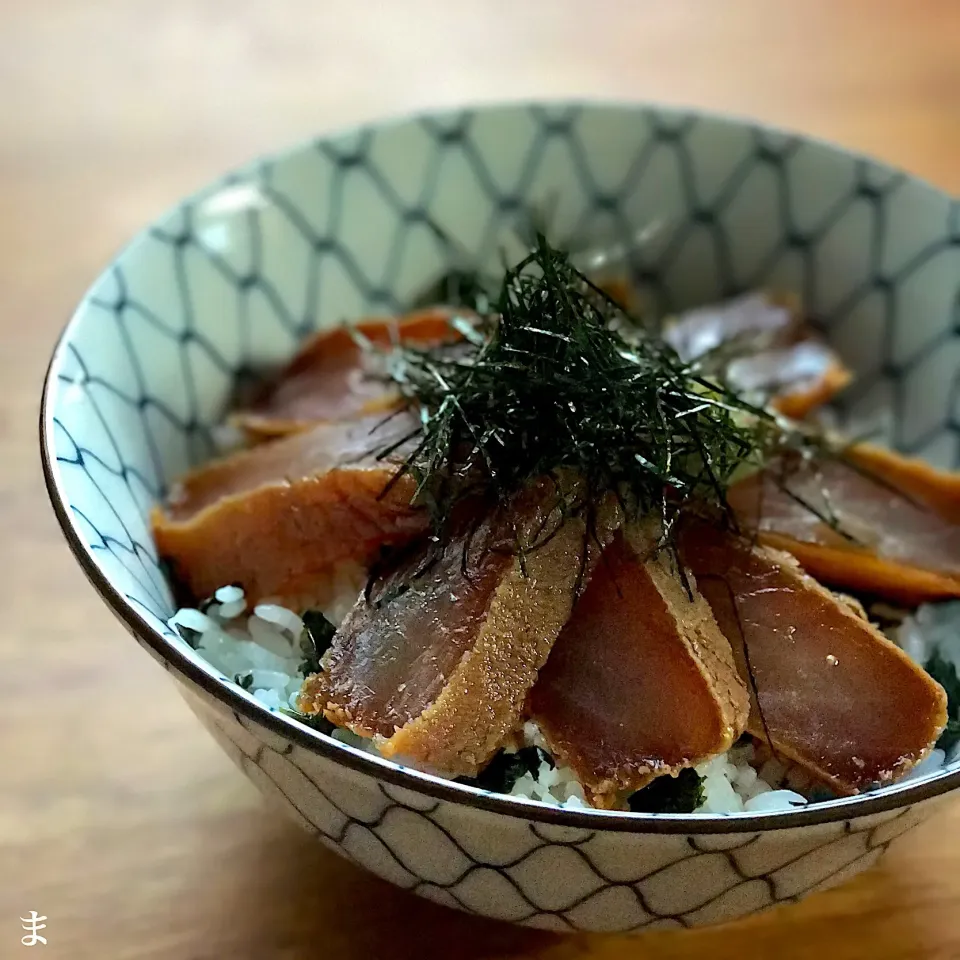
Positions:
{"x": 120, "y": 820}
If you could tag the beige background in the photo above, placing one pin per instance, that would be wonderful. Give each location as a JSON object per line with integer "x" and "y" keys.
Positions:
{"x": 119, "y": 819}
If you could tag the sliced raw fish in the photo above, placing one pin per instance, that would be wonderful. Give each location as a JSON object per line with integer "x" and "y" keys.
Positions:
{"x": 437, "y": 661}
{"x": 856, "y": 529}
{"x": 829, "y": 691}
{"x": 332, "y": 377}
{"x": 641, "y": 682}
{"x": 279, "y": 519}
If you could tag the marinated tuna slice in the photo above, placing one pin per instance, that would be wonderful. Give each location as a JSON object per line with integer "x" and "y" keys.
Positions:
{"x": 937, "y": 489}
{"x": 756, "y": 316}
{"x": 799, "y": 378}
{"x": 829, "y": 691}
{"x": 641, "y": 682}
{"x": 852, "y": 529}
{"x": 438, "y": 659}
{"x": 279, "y": 518}
{"x": 332, "y": 378}
{"x": 784, "y": 364}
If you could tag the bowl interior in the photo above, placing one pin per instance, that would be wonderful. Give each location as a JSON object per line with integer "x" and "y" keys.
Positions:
{"x": 234, "y": 277}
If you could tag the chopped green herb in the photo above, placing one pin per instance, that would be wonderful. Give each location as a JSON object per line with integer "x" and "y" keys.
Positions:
{"x": 244, "y": 680}
{"x": 318, "y": 634}
{"x": 680, "y": 794}
{"x": 945, "y": 673}
{"x": 316, "y": 721}
{"x": 505, "y": 769}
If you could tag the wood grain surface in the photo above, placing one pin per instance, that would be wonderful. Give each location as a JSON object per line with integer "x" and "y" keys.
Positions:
{"x": 120, "y": 820}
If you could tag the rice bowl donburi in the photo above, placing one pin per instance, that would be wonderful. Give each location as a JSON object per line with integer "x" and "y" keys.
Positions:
{"x": 533, "y": 540}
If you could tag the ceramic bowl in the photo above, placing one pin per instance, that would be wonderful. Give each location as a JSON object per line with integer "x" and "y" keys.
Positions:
{"x": 359, "y": 222}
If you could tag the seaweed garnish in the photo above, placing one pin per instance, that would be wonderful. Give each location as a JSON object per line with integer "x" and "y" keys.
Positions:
{"x": 318, "y": 633}
{"x": 459, "y": 288}
{"x": 559, "y": 376}
{"x": 316, "y": 721}
{"x": 505, "y": 769}
{"x": 950, "y": 736}
{"x": 680, "y": 794}
{"x": 945, "y": 673}
{"x": 188, "y": 635}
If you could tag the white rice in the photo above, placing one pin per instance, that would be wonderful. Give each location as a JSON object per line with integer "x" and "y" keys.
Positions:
{"x": 262, "y": 653}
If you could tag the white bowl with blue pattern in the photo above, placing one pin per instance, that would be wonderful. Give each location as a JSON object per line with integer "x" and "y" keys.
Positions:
{"x": 359, "y": 222}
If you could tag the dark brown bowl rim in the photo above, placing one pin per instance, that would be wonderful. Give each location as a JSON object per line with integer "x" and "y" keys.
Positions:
{"x": 886, "y": 799}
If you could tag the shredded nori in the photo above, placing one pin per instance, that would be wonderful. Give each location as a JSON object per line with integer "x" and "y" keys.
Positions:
{"x": 680, "y": 794}
{"x": 318, "y": 634}
{"x": 244, "y": 680}
{"x": 945, "y": 673}
{"x": 459, "y": 288}
{"x": 950, "y": 736}
{"x": 559, "y": 375}
{"x": 505, "y": 769}
{"x": 316, "y": 721}
{"x": 188, "y": 635}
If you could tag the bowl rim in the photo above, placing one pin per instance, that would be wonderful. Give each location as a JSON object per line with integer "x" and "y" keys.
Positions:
{"x": 894, "y": 797}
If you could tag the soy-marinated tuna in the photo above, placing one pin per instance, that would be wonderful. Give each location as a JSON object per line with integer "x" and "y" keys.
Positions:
{"x": 755, "y": 321}
{"x": 854, "y": 529}
{"x": 437, "y": 659}
{"x": 641, "y": 682}
{"x": 829, "y": 691}
{"x": 938, "y": 490}
{"x": 798, "y": 378}
{"x": 760, "y": 348}
{"x": 278, "y": 519}
{"x": 334, "y": 377}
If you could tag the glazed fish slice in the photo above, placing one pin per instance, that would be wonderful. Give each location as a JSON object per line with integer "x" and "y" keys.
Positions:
{"x": 281, "y": 518}
{"x": 797, "y": 378}
{"x": 784, "y": 364}
{"x": 753, "y": 318}
{"x": 855, "y": 530}
{"x": 939, "y": 490}
{"x": 332, "y": 378}
{"x": 641, "y": 681}
{"x": 437, "y": 662}
{"x": 830, "y": 691}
